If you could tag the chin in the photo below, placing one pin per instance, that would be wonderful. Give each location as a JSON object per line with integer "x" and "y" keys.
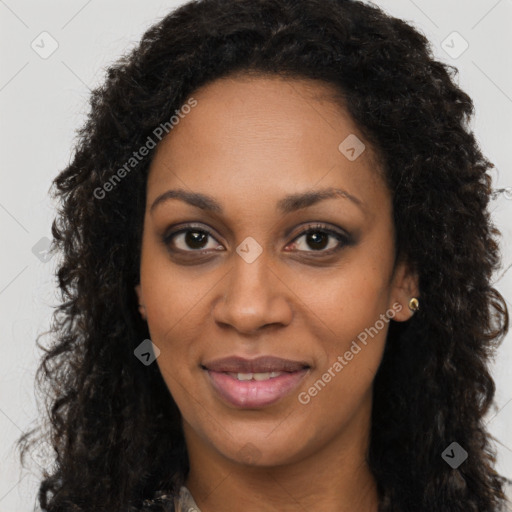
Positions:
{"x": 261, "y": 450}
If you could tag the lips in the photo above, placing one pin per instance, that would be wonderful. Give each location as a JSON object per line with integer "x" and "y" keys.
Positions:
{"x": 262, "y": 364}
{"x": 254, "y": 383}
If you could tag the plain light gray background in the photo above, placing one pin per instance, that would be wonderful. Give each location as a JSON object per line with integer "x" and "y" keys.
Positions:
{"x": 44, "y": 100}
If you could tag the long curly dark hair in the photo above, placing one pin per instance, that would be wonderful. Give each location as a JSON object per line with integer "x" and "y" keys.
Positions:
{"x": 112, "y": 423}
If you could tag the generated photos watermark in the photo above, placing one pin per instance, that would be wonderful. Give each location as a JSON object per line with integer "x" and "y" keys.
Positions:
{"x": 343, "y": 360}
{"x": 137, "y": 156}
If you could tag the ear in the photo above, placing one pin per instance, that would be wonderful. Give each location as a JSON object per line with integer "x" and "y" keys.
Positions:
{"x": 142, "y": 306}
{"x": 403, "y": 288}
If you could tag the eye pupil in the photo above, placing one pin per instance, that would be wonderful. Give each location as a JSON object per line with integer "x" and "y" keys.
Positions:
{"x": 194, "y": 239}
{"x": 315, "y": 238}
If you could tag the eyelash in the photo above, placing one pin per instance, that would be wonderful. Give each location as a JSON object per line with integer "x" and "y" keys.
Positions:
{"x": 342, "y": 238}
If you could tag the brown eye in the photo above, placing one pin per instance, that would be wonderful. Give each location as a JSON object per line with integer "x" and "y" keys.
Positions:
{"x": 191, "y": 240}
{"x": 317, "y": 240}
{"x": 321, "y": 239}
{"x": 195, "y": 239}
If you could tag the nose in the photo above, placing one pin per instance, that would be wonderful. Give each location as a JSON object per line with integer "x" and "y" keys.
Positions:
{"x": 254, "y": 296}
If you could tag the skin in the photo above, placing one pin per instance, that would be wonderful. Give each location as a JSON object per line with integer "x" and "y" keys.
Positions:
{"x": 249, "y": 142}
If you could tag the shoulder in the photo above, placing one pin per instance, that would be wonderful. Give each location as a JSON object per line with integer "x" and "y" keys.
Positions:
{"x": 185, "y": 502}
{"x": 507, "y": 489}
{"x": 181, "y": 502}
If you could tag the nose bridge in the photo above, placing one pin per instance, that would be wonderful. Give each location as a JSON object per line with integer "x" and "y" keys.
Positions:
{"x": 248, "y": 286}
{"x": 251, "y": 295}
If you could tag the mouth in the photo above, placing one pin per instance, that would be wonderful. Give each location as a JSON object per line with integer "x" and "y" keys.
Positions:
{"x": 254, "y": 383}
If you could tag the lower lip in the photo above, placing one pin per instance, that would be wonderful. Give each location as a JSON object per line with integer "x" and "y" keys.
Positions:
{"x": 255, "y": 393}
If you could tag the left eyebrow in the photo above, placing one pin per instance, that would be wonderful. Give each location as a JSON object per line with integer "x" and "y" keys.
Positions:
{"x": 304, "y": 199}
{"x": 285, "y": 205}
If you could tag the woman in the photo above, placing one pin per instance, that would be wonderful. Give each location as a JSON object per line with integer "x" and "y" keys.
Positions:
{"x": 276, "y": 273}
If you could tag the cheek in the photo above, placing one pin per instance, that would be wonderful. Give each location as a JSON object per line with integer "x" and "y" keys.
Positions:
{"x": 351, "y": 297}
{"x": 174, "y": 300}
{"x": 173, "y": 296}
{"x": 352, "y": 304}
{"x": 352, "y": 345}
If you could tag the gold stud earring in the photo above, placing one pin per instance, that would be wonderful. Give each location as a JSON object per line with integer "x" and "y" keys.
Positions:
{"x": 414, "y": 304}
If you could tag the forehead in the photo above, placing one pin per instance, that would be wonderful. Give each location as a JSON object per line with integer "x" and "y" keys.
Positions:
{"x": 266, "y": 136}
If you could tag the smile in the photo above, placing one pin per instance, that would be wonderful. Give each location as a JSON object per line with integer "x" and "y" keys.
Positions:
{"x": 254, "y": 383}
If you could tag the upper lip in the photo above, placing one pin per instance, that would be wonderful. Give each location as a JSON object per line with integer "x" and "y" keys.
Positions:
{"x": 262, "y": 364}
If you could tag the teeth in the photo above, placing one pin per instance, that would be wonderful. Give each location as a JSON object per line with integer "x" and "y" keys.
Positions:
{"x": 261, "y": 376}
{"x": 255, "y": 376}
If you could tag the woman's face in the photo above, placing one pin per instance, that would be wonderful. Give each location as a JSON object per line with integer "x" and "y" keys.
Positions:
{"x": 302, "y": 317}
